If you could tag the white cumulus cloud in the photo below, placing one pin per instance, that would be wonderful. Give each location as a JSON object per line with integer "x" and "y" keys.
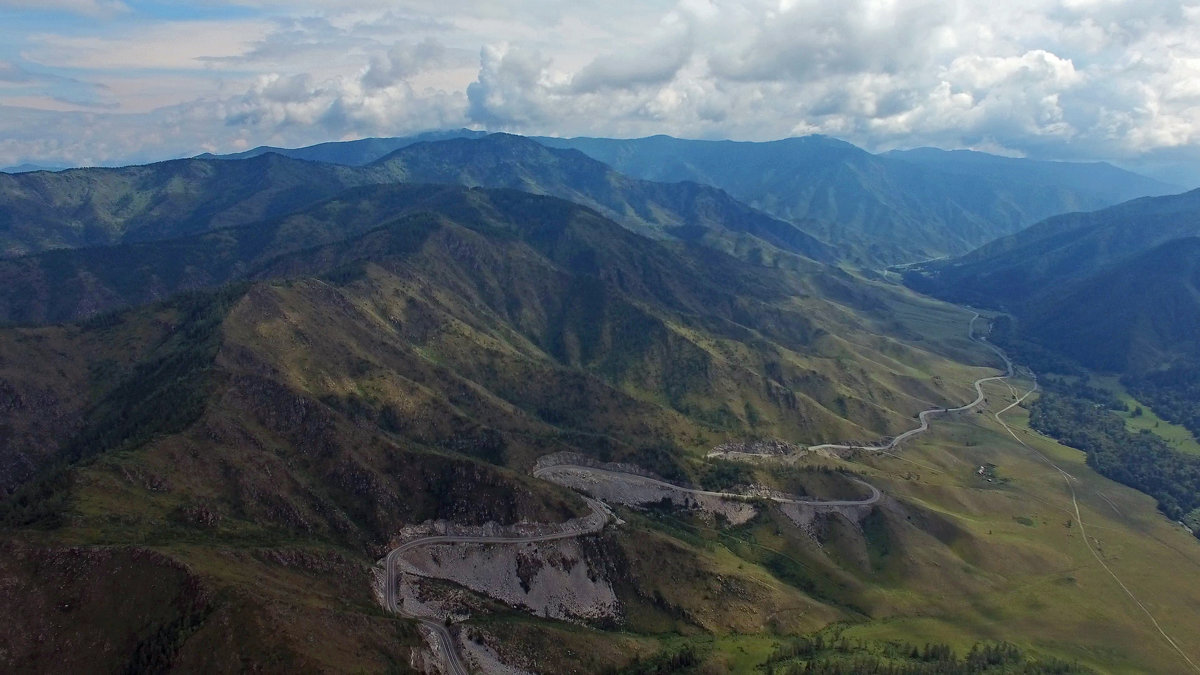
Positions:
{"x": 1075, "y": 79}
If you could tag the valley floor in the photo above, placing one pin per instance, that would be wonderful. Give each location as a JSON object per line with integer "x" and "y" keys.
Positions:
{"x": 1033, "y": 578}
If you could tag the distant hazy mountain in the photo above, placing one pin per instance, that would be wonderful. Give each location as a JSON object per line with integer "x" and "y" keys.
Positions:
{"x": 30, "y": 168}
{"x": 892, "y": 207}
{"x": 99, "y": 206}
{"x": 1095, "y": 181}
{"x": 1114, "y": 289}
{"x": 350, "y": 153}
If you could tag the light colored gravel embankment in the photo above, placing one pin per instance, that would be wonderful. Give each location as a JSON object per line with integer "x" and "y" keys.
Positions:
{"x": 551, "y": 579}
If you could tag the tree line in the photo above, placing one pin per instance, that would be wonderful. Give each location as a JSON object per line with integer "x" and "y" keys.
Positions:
{"x": 1140, "y": 460}
{"x": 841, "y": 656}
{"x": 1174, "y": 394}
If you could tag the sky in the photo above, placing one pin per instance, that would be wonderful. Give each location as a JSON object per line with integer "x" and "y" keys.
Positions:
{"x": 86, "y": 82}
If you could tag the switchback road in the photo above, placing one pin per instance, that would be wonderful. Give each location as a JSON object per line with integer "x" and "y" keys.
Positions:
{"x": 600, "y": 515}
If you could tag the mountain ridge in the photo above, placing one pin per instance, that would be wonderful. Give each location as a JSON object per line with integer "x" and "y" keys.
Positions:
{"x": 866, "y": 198}
{"x": 1121, "y": 272}
{"x": 351, "y": 153}
{"x": 684, "y": 210}
{"x": 89, "y": 207}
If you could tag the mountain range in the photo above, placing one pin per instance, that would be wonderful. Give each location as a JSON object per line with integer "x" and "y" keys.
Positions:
{"x": 899, "y": 206}
{"x": 89, "y": 207}
{"x": 230, "y": 386}
{"x": 895, "y": 207}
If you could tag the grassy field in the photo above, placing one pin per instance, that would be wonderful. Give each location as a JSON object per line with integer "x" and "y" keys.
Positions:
{"x": 1035, "y": 581}
{"x": 1177, "y": 435}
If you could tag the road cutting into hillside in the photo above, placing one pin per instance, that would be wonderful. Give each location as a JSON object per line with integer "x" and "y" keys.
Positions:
{"x": 590, "y": 524}
{"x": 1067, "y": 477}
{"x": 924, "y": 415}
{"x": 600, "y": 514}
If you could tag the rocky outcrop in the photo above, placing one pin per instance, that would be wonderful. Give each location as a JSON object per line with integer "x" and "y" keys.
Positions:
{"x": 550, "y": 579}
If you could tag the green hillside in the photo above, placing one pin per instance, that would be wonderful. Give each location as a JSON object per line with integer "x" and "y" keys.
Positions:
{"x": 241, "y": 444}
{"x": 418, "y": 381}
{"x": 95, "y": 207}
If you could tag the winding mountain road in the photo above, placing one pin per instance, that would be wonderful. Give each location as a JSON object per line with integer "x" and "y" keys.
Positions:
{"x": 600, "y": 515}
{"x": 924, "y": 415}
{"x": 590, "y": 524}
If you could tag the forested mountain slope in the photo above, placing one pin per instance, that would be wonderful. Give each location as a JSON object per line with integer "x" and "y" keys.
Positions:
{"x": 1140, "y": 315}
{"x": 892, "y": 207}
{"x": 1018, "y": 268}
{"x": 1113, "y": 289}
{"x": 687, "y": 211}
{"x": 95, "y": 207}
